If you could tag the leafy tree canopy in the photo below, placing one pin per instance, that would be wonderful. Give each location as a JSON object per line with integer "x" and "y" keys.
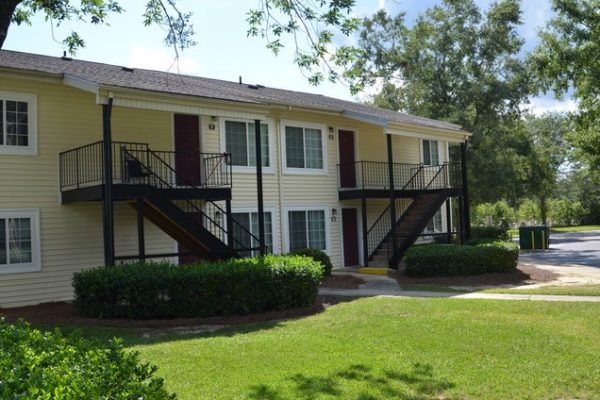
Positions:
{"x": 312, "y": 24}
{"x": 568, "y": 56}
{"x": 460, "y": 65}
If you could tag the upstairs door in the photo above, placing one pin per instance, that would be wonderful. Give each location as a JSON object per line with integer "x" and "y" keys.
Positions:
{"x": 347, "y": 159}
{"x": 187, "y": 148}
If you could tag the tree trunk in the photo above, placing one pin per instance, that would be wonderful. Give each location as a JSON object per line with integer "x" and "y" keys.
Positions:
{"x": 7, "y": 9}
{"x": 543, "y": 209}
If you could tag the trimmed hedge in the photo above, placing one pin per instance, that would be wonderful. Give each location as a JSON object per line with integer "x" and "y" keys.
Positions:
{"x": 48, "y": 365}
{"x": 317, "y": 255}
{"x": 453, "y": 260}
{"x": 480, "y": 234}
{"x": 163, "y": 290}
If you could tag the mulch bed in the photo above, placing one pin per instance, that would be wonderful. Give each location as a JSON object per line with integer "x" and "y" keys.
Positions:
{"x": 523, "y": 275}
{"x": 338, "y": 281}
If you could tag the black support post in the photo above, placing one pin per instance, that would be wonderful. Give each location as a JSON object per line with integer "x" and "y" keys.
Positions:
{"x": 465, "y": 190}
{"x": 365, "y": 241}
{"x": 140, "y": 230}
{"x": 449, "y": 220}
{"x": 392, "y": 192}
{"x": 229, "y": 223}
{"x": 107, "y": 198}
{"x": 259, "y": 188}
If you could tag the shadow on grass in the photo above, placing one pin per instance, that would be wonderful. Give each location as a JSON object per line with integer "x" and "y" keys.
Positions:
{"x": 419, "y": 383}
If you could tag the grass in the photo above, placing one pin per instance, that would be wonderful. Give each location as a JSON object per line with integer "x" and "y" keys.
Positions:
{"x": 417, "y": 287}
{"x": 381, "y": 348}
{"x": 571, "y": 290}
{"x": 582, "y": 228}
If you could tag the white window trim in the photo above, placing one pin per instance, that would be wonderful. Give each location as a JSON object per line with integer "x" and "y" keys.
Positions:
{"x": 441, "y": 228}
{"x": 286, "y": 224}
{"x": 248, "y": 169}
{"x": 36, "y": 262}
{"x": 303, "y": 171}
{"x": 32, "y": 148}
{"x": 274, "y": 222}
{"x": 438, "y": 150}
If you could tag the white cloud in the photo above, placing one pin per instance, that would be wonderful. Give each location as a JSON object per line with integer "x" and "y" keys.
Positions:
{"x": 381, "y": 5}
{"x": 541, "y": 105}
{"x": 162, "y": 60}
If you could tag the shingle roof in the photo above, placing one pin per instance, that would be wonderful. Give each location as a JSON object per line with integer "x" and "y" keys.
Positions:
{"x": 156, "y": 81}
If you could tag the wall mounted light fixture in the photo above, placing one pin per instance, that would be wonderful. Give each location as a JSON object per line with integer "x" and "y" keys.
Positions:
{"x": 333, "y": 215}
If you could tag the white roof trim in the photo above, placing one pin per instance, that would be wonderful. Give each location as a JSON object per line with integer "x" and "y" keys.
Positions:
{"x": 448, "y": 136}
{"x": 80, "y": 83}
{"x": 365, "y": 118}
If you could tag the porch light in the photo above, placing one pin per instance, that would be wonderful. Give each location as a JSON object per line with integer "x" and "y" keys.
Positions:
{"x": 333, "y": 214}
{"x": 218, "y": 217}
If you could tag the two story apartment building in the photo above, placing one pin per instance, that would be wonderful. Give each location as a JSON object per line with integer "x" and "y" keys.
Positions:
{"x": 103, "y": 164}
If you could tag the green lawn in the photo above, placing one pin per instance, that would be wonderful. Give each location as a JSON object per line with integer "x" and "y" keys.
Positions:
{"x": 576, "y": 228}
{"x": 579, "y": 290}
{"x": 383, "y": 348}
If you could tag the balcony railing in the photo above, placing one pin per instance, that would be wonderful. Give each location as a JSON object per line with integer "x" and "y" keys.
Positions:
{"x": 374, "y": 175}
{"x": 132, "y": 163}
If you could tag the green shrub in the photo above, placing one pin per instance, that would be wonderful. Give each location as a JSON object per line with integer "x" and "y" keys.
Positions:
{"x": 317, "y": 255}
{"x": 453, "y": 260}
{"x": 480, "y": 234}
{"x": 48, "y": 365}
{"x": 163, "y": 290}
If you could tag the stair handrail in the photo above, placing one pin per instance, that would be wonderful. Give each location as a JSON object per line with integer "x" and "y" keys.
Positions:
{"x": 189, "y": 203}
{"x": 387, "y": 210}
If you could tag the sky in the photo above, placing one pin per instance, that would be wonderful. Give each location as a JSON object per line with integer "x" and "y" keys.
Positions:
{"x": 223, "y": 50}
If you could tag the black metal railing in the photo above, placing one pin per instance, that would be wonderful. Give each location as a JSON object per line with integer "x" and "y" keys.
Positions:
{"x": 375, "y": 175}
{"x": 199, "y": 211}
{"x": 83, "y": 166}
{"x": 423, "y": 177}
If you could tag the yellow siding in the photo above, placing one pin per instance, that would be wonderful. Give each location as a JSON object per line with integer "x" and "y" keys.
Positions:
{"x": 71, "y": 235}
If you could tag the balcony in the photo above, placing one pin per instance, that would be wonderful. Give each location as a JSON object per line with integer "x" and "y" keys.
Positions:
{"x": 371, "y": 179}
{"x": 179, "y": 175}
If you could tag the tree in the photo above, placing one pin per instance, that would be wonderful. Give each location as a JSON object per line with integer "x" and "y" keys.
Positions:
{"x": 567, "y": 57}
{"x": 549, "y": 152}
{"x": 313, "y": 25}
{"x": 462, "y": 66}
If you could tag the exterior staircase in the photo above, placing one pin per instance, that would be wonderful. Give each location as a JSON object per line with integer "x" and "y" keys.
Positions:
{"x": 408, "y": 228}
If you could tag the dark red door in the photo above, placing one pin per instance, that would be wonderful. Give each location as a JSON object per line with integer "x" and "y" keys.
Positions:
{"x": 350, "y": 230}
{"x": 187, "y": 148}
{"x": 347, "y": 167}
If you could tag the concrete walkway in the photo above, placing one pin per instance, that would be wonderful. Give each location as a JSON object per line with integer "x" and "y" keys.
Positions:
{"x": 378, "y": 285}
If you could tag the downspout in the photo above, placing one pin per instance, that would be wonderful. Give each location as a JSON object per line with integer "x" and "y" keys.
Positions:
{"x": 259, "y": 187}
{"x": 107, "y": 197}
{"x": 465, "y": 190}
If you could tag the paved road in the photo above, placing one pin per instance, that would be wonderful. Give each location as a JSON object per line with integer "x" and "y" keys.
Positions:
{"x": 572, "y": 248}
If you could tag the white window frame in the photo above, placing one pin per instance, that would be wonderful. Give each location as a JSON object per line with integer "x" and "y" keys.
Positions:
{"x": 303, "y": 171}
{"x": 31, "y": 100}
{"x": 441, "y": 227}
{"x": 438, "y": 151}
{"x": 286, "y": 224}
{"x": 36, "y": 263}
{"x": 249, "y": 169}
{"x": 274, "y": 222}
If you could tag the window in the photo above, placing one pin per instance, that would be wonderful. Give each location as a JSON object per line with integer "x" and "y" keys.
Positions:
{"x": 307, "y": 229}
{"x": 435, "y": 224}
{"x": 431, "y": 152}
{"x": 19, "y": 241}
{"x": 304, "y": 148}
{"x": 240, "y": 141}
{"x": 17, "y": 123}
{"x": 249, "y": 222}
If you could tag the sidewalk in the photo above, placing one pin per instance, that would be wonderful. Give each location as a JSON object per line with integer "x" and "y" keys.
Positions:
{"x": 378, "y": 285}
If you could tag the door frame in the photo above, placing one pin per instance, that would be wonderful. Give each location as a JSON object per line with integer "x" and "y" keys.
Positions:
{"x": 200, "y": 139}
{"x": 356, "y": 149}
{"x": 359, "y": 230}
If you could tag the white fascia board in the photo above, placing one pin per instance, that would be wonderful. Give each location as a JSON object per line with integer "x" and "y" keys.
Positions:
{"x": 365, "y": 118}
{"x": 80, "y": 83}
{"x": 177, "y": 104}
{"x": 431, "y": 133}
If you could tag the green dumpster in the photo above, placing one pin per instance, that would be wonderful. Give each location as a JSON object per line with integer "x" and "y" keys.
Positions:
{"x": 534, "y": 237}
